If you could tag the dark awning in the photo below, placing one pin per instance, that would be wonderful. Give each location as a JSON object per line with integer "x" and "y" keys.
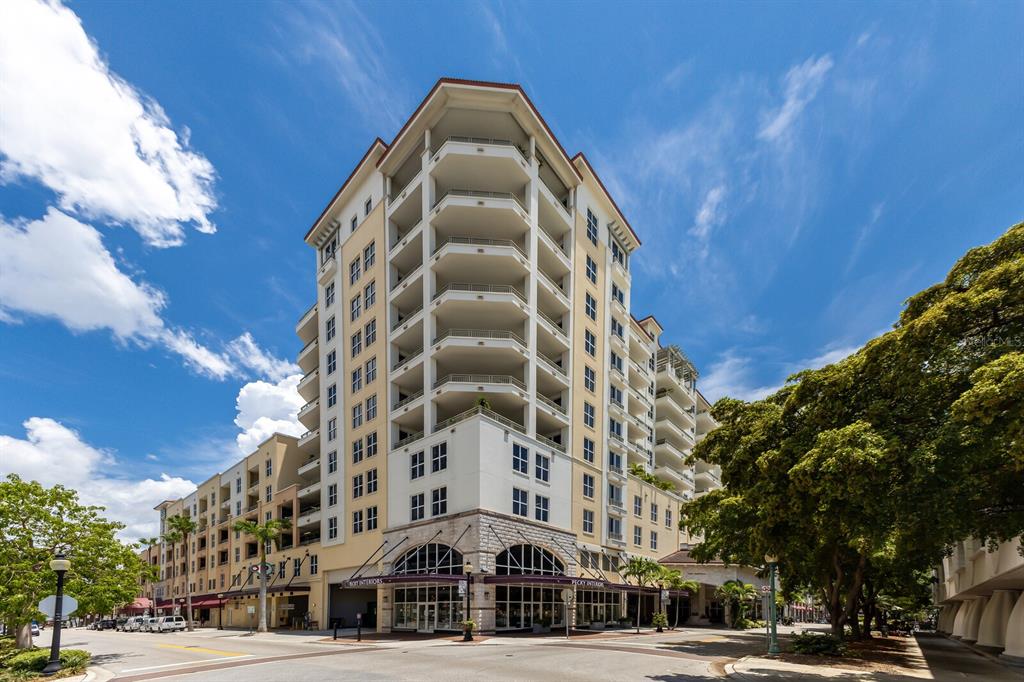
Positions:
{"x": 403, "y": 578}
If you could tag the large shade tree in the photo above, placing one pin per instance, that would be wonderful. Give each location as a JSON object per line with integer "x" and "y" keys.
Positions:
{"x": 264, "y": 534}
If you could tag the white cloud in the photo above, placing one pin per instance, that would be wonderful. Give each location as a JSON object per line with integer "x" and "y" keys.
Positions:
{"x": 106, "y": 150}
{"x": 265, "y": 408}
{"x": 733, "y": 376}
{"x": 801, "y": 85}
{"x": 249, "y": 354}
{"x": 51, "y": 454}
{"x": 863, "y": 233}
{"x": 708, "y": 216}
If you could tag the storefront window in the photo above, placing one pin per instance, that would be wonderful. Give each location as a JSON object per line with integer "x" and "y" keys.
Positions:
{"x": 427, "y": 608}
{"x": 597, "y": 606}
{"x": 528, "y": 560}
{"x": 432, "y": 557}
{"x": 522, "y": 606}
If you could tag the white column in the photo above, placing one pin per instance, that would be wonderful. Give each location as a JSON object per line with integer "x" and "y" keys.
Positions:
{"x": 429, "y": 192}
{"x": 961, "y": 618}
{"x": 531, "y": 292}
{"x": 1014, "y": 644}
{"x": 996, "y": 617}
{"x": 974, "y": 619}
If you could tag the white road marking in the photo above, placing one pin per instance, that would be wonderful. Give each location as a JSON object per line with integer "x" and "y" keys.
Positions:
{"x": 171, "y": 665}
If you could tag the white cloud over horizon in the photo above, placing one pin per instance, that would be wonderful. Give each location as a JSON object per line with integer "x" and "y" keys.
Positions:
{"x": 265, "y": 408}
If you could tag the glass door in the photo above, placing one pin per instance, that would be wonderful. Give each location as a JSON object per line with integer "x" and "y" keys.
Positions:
{"x": 425, "y": 618}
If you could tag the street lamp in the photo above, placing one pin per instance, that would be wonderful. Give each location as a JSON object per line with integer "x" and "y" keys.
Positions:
{"x": 60, "y": 566}
{"x": 467, "y": 570}
{"x": 773, "y": 640}
{"x": 220, "y": 611}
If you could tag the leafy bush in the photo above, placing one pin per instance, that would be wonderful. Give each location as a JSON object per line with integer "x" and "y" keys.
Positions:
{"x": 660, "y": 620}
{"x": 34, "y": 660}
{"x": 748, "y": 624}
{"x": 812, "y": 644}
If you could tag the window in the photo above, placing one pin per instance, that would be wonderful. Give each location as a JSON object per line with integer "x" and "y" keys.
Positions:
{"x": 270, "y": 493}
{"x": 332, "y": 362}
{"x": 416, "y": 506}
{"x": 357, "y": 486}
{"x": 332, "y": 529}
{"x": 353, "y": 223}
{"x": 238, "y": 554}
{"x": 588, "y": 521}
{"x": 615, "y": 395}
{"x": 369, "y": 255}
{"x": 371, "y": 444}
{"x": 371, "y": 369}
{"x": 329, "y": 328}
{"x": 540, "y": 508}
{"x": 543, "y": 468}
{"x": 415, "y": 465}
{"x": 520, "y": 502}
{"x": 355, "y": 307}
{"x": 357, "y": 451}
{"x": 353, "y": 270}
{"x": 332, "y": 428}
{"x": 619, "y": 254}
{"x": 371, "y": 518}
{"x": 638, "y": 536}
{"x": 370, "y": 331}
{"x": 615, "y": 461}
{"x": 369, "y": 295}
{"x": 439, "y": 457}
{"x": 281, "y": 568}
{"x": 654, "y": 512}
{"x": 589, "y": 379}
{"x": 332, "y": 461}
{"x": 357, "y": 521}
{"x": 367, "y": 206}
{"x": 618, "y": 295}
{"x": 588, "y": 485}
{"x": 357, "y": 379}
{"x": 592, "y": 270}
{"x": 314, "y": 564}
{"x": 654, "y": 539}
{"x": 591, "y": 307}
{"x": 329, "y": 295}
{"x": 269, "y": 468}
{"x": 357, "y": 416}
{"x": 357, "y": 343}
{"x": 590, "y": 343}
{"x": 332, "y": 395}
{"x": 638, "y": 506}
{"x": 332, "y": 494}
{"x": 668, "y": 517}
{"x": 615, "y": 528}
{"x": 371, "y": 481}
{"x": 588, "y": 414}
{"x": 439, "y": 501}
{"x": 614, "y": 427}
{"x": 371, "y": 407}
{"x": 617, "y": 328}
{"x": 616, "y": 361}
{"x": 588, "y": 449}
{"x": 591, "y": 227}
{"x": 520, "y": 459}
{"x": 330, "y": 249}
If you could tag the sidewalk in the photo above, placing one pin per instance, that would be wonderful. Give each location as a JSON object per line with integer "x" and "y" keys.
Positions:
{"x": 925, "y": 657}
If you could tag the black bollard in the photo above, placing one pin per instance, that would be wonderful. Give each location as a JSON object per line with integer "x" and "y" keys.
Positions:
{"x": 359, "y": 627}
{"x": 335, "y": 628}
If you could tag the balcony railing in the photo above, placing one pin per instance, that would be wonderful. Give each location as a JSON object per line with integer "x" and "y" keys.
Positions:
{"x": 411, "y": 356}
{"x": 480, "y": 194}
{"x": 554, "y": 323}
{"x": 551, "y": 443}
{"x": 479, "y": 334}
{"x": 308, "y": 346}
{"x": 480, "y": 379}
{"x": 553, "y": 283}
{"x": 551, "y": 364}
{"x": 412, "y": 437}
{"x": 615, "y": 537}
{"x": 481, "y": 289}
{"x": 484, "y": 140}
{"x": 408, "y": 399}
{"x": 408, "y": 275}
{"x": 310, "y": 311}
{"x": 483, "y": 411}
{"x": 551, "y": 403}
{"x": 480, "y": 241}
{"x": 405, "y": 318}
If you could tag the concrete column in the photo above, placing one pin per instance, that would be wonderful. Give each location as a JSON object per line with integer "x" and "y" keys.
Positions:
{"x": 973, "y": 620}
{"x": 961, "y": 618}
{"x": 1014, "y": 642}
{"x": 992, "y": 628}
{"x": 948, "y": 617}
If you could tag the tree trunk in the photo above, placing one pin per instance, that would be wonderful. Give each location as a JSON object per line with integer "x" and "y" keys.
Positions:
{"x": 676, "y": 624}
{"x": 188, "y": 590}
{"x": 23, "y": 636}
{"x": 639, "y": 601}
{"x": 263, "y": 592}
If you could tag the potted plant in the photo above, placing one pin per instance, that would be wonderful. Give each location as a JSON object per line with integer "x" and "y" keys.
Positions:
{"x": 483, "y": 402}
{"x": 660, "y": 621}
{"x": 467, "y": 630}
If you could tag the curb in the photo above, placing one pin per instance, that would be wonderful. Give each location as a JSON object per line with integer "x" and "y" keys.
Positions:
{"x": 731, "y": 671}
{"x": 95, "y": 673}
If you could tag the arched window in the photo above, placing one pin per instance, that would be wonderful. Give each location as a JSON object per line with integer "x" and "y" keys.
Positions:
{"x": 432, "y": 557}
{"x": 528, "y": 560}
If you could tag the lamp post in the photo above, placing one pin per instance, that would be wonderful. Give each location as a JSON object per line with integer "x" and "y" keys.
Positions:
{"x": 773, "y": 640}
{"x": 467, "y": 570}
{"x": 60, "y": 566}
{"x": 220, "y": 611}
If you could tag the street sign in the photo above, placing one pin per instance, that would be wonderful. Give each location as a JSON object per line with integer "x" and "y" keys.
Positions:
{"x": 566, "y": 595}
{"x": 765, "y": 589}
{"x": 664, "y": 595}
{"x": 49, "y": 605}
{"x": 462, "y": 588}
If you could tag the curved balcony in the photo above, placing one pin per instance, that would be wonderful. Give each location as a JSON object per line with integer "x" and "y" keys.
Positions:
{"x": 327, "y": 270}
{"x": 552, "y": 338}
{"x": 667, "y": 454}
{"x": 309, "y": 440}
{"x": 466, "y": 305}
{"x": 309, "y": 414}
{"x": 309, "y": 385}
{"x": 460, "y": 258}
{"x": 552, "y": 255}
{"x": 406, "y": 254}
{"x": 407, "y": 326}
{"x": 308, "y": 324}
{"x": 552, "y": 296}
{"x": 309, "y": 356}
{"x": 491, "y": 162}
{"x": 496, "y": 349}
{"x": 457, "y": 211}
{"x": 309, "y": 491}
{"x": 681, "y": 478}
{"x": 553, "y": 415}
{"x": 552, "y": 377}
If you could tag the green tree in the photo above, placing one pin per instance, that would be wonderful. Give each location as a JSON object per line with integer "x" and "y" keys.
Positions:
{"x": 644, "y": 571}
{"x": 672, "y": 579}
{"x": 35, "y": 524}
{"x": 264, "y": 534}
{"x": 736, "y": 594}
{"x": 181, "y": 528}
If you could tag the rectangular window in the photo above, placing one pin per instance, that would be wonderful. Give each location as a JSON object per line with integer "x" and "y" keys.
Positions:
{"x": 329, "y": 328}
{"x": 332, "y": 362}
{"x": 614, "y": 427}
{"x": 668, "y": 517}
{"x": 357, "y": 343}
{"x": 357, "y": 486}
{"x": 543, "y": 468}
{"x": 638, "y": 506}
{"x": 369, "y": 295}
{"x": 615, "y": 528}
{"x": 357, "y": 416}
{"x": 371, "y": 444}
{"x": 332, "y": 428}
{"x": 353, "y": 223}
{"x": 415, "y": 465}
{"x": 588, "y": 485}
{"x": 332, "y": 494}
{"x": 619, "y": 254}
{"x": 654, "y": 512}
{"x": 614, "y": 460}
{"x": 371, "y": 407}
{"x": 371, "y": 518}
{"x": 439, "y": 457}
{"x": 592, "y": 270}
{"x": 371, "y": 481}
{"x": 520, "y": 502}
{"x": 314, "y": 564}
{"x": 439, "y": 501}
{"x": 354, "y": 271}
{"x": 369, "y": 255}
{"x": 540, "y": 508}
{"x": 588, "y": 521}
{"x": 281, "y": 567}
{"x": 355, "y": 307}
{"x": 269, "y": 468}
{"x": 589, "y": 379}
{"x": 617, "y": 328}
{"x": 520, "y": 459}
{"x": 370, "y": 331}
{"x": 270, "y": 493}
{"x": 588, "y": 449}
{"x": 591, "y": 227}
{"x": 591, "y": 307}
{"x": 357, "y": 379}
{"x": 357, "y": 451}
{"x": 654, "y": 539}
{"x": 329, "y": 295}
{"x": 590, "y": 343}
{"x": 357, "y": 521}
{"x": 618, "y": 295}
{"x": 371, "y": 369}
{"x": 332, "y": 528}
{"x": 367, "y": 206}
{"x": 616, "y": 361}
{"x": 416, "y": 506}
{"x": 615, "y": 395}
{"x": 332, "y": 395}
{"x": 588, "y": 414}
{"x": 638, "y": 536}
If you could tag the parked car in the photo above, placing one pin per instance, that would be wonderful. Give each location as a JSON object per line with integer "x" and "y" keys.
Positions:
{"x": 119, "y": 623}
{"x": 149, "y": 624}
{"x": 35, "y": 629}
{"x": 133, "y": 624}
{"x": 106, "y": 624}
{"x": 171, "y": 623}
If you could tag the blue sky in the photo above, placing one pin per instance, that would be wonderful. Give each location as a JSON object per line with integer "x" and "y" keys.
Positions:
{"x": 795, "y": 171}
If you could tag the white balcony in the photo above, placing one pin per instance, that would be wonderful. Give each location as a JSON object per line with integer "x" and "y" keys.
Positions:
{"x": 666, "y": 453}
{"x": 616, "y": 507}
{"x": 310, "y": 490}
{"x": 458, "y": 211}
{"x": 309, "y": 385}
{"x": 310, "y": 517}
{"x": 411, "y": 241}
{"x": 682, "y": 479}
{"x": 309, "y": 356}
{"x": 313, "y": 465}
{"x": 309, "y": 439}
{"x": 327, "y": 270}
{"x": 308, "y": 324}
{"x": 471, "y": 258}
{"x": 481, "y": 306}
{"x": 309, "y": 414}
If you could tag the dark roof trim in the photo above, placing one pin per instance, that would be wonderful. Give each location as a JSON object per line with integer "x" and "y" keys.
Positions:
{"x": 376, "y": 141}
{"x": 604, "y": 189}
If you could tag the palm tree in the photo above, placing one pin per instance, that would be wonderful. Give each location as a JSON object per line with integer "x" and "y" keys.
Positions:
{"x": 737, "y": 593}
{"x": 672, "y": 579}
{"x": 182, "y": 527}
{"x": 149, "y": 544}
{"x": 265, "y": 533}
{"x": 643, "y": 570}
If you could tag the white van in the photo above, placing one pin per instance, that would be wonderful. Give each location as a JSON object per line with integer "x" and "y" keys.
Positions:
{"x": 149, "y": 624}
{"x": 134, "y": 624}
{"x": 171, "y": 623}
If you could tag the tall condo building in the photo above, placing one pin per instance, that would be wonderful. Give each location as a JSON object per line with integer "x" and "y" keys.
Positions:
{"x": 488, "y": 424}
